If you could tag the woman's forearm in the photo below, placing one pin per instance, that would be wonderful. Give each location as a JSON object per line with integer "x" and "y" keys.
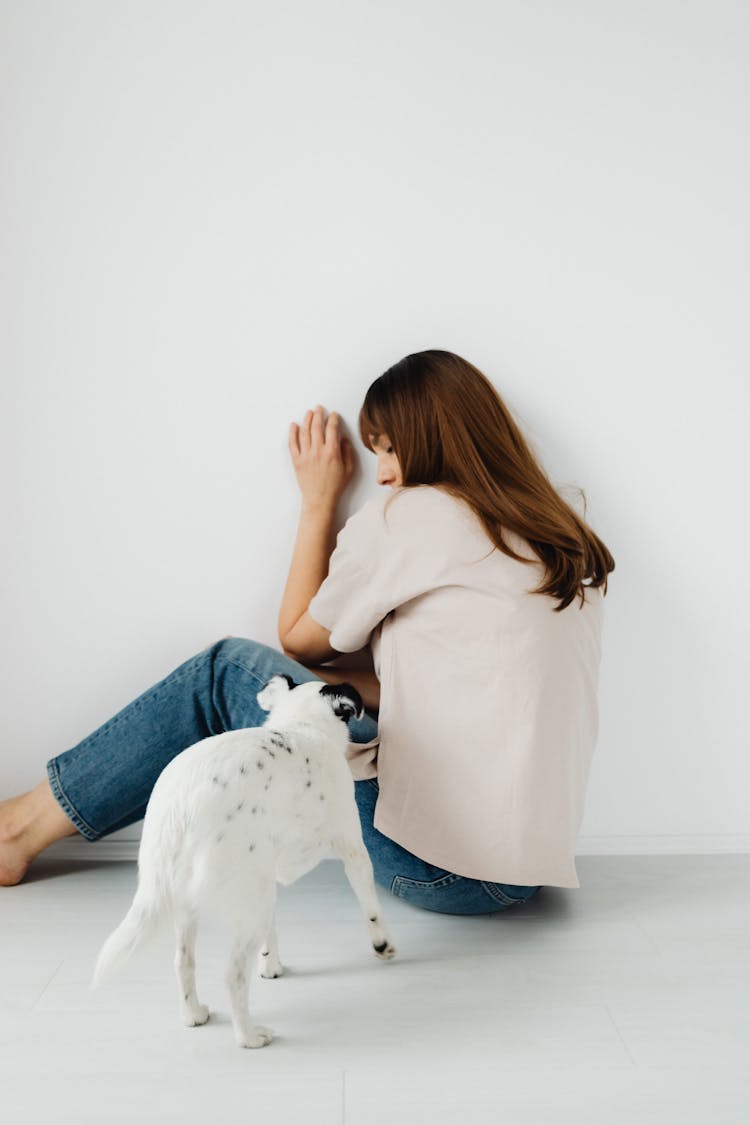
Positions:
{"x": 316, "y": 539}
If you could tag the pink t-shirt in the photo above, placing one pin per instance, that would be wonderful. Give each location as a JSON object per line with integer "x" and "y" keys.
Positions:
{"x": 488, "y": 698}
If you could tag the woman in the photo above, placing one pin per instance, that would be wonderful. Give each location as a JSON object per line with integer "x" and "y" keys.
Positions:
{"x": 478, "y": 592}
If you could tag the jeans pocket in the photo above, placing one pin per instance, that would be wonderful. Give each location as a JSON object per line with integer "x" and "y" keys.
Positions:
{"x": 419, "y": 890}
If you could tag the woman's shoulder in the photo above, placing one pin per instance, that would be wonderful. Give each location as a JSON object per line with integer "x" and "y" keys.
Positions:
{"x": 405, "y": 504}
{"x": 412, "y": 519}
{"x": 418, "y": 508}
{"x": 435, "y": 518}
{"x": 418, "y": 498}
{"x": 422, "y": 522}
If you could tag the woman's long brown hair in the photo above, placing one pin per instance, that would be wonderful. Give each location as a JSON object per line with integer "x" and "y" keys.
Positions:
{"x": 449, "y": 427}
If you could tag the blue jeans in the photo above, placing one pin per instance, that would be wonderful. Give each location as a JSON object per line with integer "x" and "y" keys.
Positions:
{"x": 104, "y": 783}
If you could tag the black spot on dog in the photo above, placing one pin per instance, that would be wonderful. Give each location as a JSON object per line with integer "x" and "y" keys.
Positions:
{"x": 309, "y": 783}
{"x": 279, "y": 741}
{"x": 260, "y": 765}
{"x": 220, "y": 837}
{"x": 215, "y": 779}
{"x": 255, "y": 808}
{"x": 251, "y": 848}
{"x": 229, "y": 816}
{"x": 307, "y": 760}
{"x": 242, "y": 769}
{"x": 240, "y": 805}
{"x": 186, "y": 995}
{"x": 374, "y": 919}
{"x": 322, "y": 796}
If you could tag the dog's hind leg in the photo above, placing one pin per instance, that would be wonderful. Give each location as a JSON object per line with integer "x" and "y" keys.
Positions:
{"x": 358, "y": 867}
{"x": 269, "y": 963}
{"x": 193, "y": 1013}
{"x": 249, "y": 933}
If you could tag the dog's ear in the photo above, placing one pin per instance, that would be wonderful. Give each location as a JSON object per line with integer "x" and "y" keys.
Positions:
{"x": 345, "y": 700}
{"x": 276, "y": 686}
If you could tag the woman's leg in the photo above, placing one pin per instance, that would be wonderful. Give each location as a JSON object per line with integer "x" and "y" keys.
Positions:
{"x": 408, "y": 877}
{"x": 103, "y": 783}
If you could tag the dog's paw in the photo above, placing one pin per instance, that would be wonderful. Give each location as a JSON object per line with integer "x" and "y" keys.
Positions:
{"x": 269, "y": 965}
{"x": 256, "y": 1036}
{"x": 385, "y": 951}
{"x": 195, "y": 1016}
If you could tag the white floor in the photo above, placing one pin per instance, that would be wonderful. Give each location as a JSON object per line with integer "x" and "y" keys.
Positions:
{"x": 624, "y": 1001}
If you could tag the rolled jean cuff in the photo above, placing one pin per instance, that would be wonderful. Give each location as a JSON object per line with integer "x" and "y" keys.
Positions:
{"x": 85, "y": 829}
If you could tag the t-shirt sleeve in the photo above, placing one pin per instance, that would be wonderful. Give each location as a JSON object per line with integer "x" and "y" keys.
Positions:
{"x": 352, "y": 599}
{"x": 386, "y": 554}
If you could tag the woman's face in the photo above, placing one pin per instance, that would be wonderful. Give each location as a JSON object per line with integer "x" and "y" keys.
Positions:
{"x": 389, "y": 470}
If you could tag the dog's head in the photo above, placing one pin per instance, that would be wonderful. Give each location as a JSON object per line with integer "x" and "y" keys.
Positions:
{"x": 289, "y": 701}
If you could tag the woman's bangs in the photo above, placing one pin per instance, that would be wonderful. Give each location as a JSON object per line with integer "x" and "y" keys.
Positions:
{"x": 370, "y": 427}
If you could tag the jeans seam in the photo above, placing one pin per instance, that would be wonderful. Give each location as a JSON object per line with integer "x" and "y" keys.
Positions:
{"x": 61, "y": 797}
{"x": 448, "y": 880}
{"x": 245, "y": 669}
{"x": 500, "y": 896}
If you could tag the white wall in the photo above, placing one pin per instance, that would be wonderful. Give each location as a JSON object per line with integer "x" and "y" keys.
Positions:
{"x": 217, "y": 214}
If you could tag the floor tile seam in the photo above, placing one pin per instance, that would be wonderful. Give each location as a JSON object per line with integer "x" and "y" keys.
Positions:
{"x": 620, "y": 1035}
{"x": 46, "y": 986}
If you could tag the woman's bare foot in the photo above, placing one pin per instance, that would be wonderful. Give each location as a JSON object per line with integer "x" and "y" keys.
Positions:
{"x": 28, "y": 824}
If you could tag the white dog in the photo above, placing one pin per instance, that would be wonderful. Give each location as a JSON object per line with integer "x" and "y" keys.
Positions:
{"x": 233, "y": 814}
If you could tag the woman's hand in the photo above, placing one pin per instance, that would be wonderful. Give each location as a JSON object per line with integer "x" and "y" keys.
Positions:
{"x": 323, "y": 460}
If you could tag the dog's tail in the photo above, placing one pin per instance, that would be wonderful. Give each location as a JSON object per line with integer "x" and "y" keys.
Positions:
{"x": 139, "y": 924}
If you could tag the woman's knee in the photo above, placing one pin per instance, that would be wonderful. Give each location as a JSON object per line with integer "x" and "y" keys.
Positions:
{"x": 231, "y": 647}
{"x": 265, "y": 660}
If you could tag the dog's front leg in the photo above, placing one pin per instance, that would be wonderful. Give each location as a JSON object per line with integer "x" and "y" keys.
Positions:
{"x": 358, "y": 867}
{"x": 246, "y": 1033}
{"x": 268, "y": 962}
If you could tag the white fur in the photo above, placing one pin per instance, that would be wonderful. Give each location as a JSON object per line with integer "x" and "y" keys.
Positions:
{"x": 233, "y": 814}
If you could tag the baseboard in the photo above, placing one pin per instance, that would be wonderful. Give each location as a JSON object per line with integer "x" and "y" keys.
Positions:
{"x": 730, "y": 843}
{"x": 73, "y": 848}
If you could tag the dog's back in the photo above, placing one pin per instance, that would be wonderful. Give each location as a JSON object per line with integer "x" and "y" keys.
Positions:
{"x": 242, "y": 808}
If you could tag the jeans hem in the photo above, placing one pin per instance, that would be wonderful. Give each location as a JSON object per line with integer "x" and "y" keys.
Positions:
{"x": 58, "y": 792}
